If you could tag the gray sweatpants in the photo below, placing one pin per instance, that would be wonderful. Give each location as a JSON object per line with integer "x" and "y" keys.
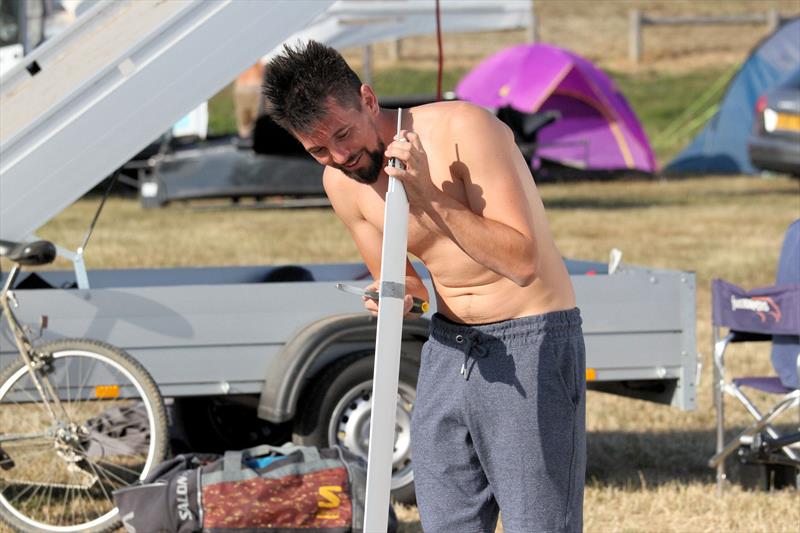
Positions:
{"x": 499, "y": 425}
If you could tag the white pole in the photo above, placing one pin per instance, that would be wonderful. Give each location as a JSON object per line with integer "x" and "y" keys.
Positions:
{"x": 387, "y": 356}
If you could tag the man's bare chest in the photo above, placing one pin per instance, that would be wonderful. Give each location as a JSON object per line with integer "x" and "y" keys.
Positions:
{"x": 423, "y": 232}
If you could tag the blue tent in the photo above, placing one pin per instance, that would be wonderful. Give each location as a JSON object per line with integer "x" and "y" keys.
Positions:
{"x": 722, "y": 145}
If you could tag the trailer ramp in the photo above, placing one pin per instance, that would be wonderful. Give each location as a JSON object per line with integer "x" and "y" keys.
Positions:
{"x": 92, "y": 97}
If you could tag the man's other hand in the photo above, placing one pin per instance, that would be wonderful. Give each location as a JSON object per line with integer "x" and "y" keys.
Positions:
{"x": 371, "y": 305}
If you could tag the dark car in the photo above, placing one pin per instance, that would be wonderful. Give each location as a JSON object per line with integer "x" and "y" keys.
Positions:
{"x": 273, "y": 165}
{"x": 775, "y": 142}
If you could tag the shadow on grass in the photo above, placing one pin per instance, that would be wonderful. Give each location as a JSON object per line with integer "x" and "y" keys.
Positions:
{"x": 628, "y": 459}
{"x": 644, "y": 460}
{"x": 609, "y": 204}
{"x": 701, "y": 197}
{"x": 652, "y": 459}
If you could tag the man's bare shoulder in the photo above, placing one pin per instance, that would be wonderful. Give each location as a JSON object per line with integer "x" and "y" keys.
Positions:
{"x": 342, "y": 192}
{"x": 467, "y": 119}
{"x": 447, "y": 121}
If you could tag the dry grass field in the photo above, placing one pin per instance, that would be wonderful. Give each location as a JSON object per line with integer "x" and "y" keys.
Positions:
{"x": 598, "y": 30}
{"x": 646, "y": 462}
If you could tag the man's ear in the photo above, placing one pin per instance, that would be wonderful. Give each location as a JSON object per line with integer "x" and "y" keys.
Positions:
{"x": 368, "y": 99}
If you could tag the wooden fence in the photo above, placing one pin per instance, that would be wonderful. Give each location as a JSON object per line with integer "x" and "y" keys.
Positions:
{"x": 638, "y": 20}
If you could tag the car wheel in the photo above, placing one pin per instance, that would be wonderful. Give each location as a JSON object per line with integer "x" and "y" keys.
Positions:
{"x": 337, "y": 408}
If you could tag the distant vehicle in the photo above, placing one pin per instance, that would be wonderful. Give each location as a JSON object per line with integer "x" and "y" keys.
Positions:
{"x": 775, "y": 142}
{"x": 271, "y": 164}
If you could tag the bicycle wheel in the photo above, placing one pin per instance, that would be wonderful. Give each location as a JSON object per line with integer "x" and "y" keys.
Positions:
{"x": 58, "y": 473}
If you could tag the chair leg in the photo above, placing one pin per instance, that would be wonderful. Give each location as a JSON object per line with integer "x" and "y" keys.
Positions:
{"x": 719, "y": 402}
{"x": 755, "y": 413}
{"x": 789, "y": 401}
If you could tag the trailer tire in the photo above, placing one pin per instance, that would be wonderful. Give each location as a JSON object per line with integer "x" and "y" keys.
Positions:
{"x": 335, "y": 410}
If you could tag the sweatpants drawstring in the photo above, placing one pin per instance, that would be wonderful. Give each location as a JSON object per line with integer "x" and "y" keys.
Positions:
{"x": 473, "y": 350}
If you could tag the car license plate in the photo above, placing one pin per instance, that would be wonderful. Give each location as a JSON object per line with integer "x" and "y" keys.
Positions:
{"x": 788, "y": 122}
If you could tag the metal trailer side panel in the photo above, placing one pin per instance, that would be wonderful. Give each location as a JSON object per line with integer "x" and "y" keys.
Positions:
{"x": 686, "y": 396}
{"x": 193, "y": 339}
{"x": 218, "y": 338}
{"x": 639, "y": 324}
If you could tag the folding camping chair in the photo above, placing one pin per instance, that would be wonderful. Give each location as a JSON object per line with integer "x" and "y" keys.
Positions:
{"x": 768, "y": 314}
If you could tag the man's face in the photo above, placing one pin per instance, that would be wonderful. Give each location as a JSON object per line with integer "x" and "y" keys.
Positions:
{"x": 347, "y": 139}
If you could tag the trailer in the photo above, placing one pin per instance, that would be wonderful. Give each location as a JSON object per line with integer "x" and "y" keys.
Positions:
{"x": 259, "y": 353}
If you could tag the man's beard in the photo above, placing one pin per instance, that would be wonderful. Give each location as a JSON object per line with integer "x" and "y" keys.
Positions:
{"x": 370, "y": 173}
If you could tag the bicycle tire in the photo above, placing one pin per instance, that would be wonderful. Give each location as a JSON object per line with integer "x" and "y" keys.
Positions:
{"x": 114, "y": 434}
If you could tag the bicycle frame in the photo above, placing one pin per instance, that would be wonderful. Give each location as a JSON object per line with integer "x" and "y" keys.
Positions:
{"x": 33, "y": 360}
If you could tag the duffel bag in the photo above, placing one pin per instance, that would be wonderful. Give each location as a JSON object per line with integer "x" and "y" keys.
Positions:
{"x": 264, "y": 489}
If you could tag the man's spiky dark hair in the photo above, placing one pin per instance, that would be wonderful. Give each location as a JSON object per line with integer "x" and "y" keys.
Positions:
{"x": 298, "y": 82}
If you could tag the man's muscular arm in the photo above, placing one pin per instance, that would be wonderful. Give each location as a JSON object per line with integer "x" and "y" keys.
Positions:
{"x": 368, "y": 239}
{"x": 496, "y": 228}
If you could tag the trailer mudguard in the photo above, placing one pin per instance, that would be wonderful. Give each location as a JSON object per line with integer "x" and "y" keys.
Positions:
{"x": 291, "y": 368}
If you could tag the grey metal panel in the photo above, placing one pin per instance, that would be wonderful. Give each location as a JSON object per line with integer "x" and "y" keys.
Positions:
{"x": 194, "y": 339}
{"x": 209, "y": 389}
{"x": 159, "y": 277}
{"x": 642, "y": 372}
{"x": 81, "y": 124}
{"x": 632, "y": 350}
{"x": 198, "y": 364}
{"x": 629, "y": 301}
{"x": 199, "y": 315}
{"x": 686, "y": 394}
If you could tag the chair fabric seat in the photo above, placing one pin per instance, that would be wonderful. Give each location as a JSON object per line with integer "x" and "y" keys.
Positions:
{"x": 786, "y": 348}
{"x": 770, "y": 384}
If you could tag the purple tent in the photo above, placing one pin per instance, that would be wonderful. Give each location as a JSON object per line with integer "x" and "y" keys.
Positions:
{"x": 597, "y": 129}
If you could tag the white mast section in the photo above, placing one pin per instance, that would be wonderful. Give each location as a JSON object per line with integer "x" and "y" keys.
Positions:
{"x": 387, "y": 354}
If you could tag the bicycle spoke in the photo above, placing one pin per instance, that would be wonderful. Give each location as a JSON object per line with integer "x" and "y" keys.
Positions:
{"x": 18, "y": 438}
{"x": 35, "y": 490}
{"x": 80, "y": 505}
{"x": 60, "y": 485}
{"x": 83, "y": 507}
{"x": 26, "y": 391}
{"x": 88, "y": 375}
{"x": 109, "y": 474}
{"x": 93, "y": 500}
{"x": 27, "y": 454}
{"x": 69, "y": 388}
{"x": 23, "y": 448}
{"x": 120, "y": 467}
{"x": 67, "y": 500}
{"x": 49, "y": 497}
{"x": 64, "y": 509}
{"x": 91, "y": 464}
{"x": 22, "y": 493}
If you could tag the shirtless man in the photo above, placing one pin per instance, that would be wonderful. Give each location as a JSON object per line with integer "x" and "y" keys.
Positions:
{"x": 498, "y": 422}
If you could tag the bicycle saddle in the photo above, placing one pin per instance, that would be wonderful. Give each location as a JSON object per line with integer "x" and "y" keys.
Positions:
{"x": 28, "y": 253}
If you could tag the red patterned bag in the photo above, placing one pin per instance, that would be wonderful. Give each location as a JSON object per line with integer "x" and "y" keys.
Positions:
{"x": 262, "y": 489}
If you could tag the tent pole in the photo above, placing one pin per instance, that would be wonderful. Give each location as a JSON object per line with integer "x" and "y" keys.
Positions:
{"x": 387, "y": 355}
{"x": 532, "y": 27}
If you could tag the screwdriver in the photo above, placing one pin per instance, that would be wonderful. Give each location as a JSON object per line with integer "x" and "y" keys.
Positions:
{"x": 419, "y": 306}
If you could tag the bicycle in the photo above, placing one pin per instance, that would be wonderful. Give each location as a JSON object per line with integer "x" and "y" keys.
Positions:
{"x": 79, "y": 418}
